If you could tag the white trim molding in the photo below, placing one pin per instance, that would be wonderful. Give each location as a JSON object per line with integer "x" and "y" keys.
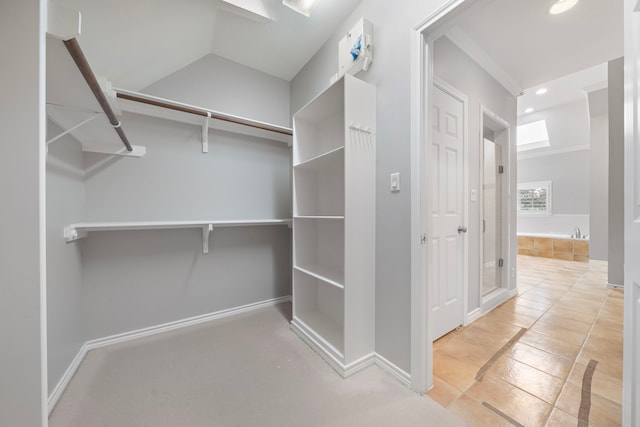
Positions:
{"x": 394, "y": 370}
{"x": 55, "y": 395}
{"x": 461, "y": 39}
{"x": 524, "y": 155}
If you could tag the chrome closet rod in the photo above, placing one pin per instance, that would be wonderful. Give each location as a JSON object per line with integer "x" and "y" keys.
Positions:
{"x": 81, "y": 61}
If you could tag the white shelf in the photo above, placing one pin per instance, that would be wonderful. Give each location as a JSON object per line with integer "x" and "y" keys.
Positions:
{"x": 72, "y": 106}
{"x": 336, "y": 217}
{"x": 315, "y": 272}
{"x": 319, "y": 247}
{"x": 277, "y": 133}
{"x": 79, "y": 230}
{"x": 320, "y": 307}
{"x": 319, "y": 185}
{"x": 332, "y": 159}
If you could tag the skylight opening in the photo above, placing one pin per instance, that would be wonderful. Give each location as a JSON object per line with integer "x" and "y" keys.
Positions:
{"x": 301, "y": 6}
{"x": 561, "y": 6}
{"x": 532, "y": 136}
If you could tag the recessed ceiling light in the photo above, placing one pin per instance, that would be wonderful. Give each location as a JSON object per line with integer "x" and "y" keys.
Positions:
{"x": 528, "y": 110}
{"x": 562, "y": 6}
{"x": 301, "y": 6}
{"x": 541, "y": 91}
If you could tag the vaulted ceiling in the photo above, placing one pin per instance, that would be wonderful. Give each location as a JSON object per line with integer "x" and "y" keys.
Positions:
{"x": 135, "y": 43}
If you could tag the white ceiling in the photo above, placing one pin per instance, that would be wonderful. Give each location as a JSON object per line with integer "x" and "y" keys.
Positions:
{"x": 523, "y": 46}
{"x": 135, "y": 43}
{"x": 565, "y": 90}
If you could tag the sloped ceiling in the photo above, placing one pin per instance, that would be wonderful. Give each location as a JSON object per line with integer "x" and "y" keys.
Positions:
{"x": 135, "y": 43}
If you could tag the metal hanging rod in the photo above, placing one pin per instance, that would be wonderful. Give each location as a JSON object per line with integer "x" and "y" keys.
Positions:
{"x": 201, "y": 112}
{"x": 81, "y": 61}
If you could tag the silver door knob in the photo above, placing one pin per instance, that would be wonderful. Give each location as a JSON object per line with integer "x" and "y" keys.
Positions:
{"x": 462, "y": 229}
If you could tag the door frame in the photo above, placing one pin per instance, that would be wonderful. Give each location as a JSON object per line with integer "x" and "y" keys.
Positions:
{"x": 631, "y": 376}
{"x": 508, "y": 288}
{"x": 422, "y": 82}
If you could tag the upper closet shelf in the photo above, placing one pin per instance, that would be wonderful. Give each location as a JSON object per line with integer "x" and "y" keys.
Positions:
{"x": 153, "y": 106}
{"x": 80, "y": 230}
{"x": 76, "y": 102}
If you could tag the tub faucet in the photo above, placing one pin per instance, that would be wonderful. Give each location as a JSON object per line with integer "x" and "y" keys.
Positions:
{"x": 578, "y": 233}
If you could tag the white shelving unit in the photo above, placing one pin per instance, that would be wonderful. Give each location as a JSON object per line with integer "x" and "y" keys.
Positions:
{"x": 334, "y": 224}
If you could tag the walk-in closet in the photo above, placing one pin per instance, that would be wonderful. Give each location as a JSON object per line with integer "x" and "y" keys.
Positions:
{"x": 194, "y": 221}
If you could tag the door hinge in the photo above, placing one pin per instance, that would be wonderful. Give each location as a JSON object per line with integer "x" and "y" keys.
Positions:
{"x": 500, "y": 263}
{"x": 500, "y": 169}
{"x": 423, "y": 239}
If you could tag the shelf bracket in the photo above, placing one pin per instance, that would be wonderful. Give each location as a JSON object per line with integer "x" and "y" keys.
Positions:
{"x": 57, "y": 137}
{"x": 71, "y": 234}
{"x": 205, "y": 133}
{"x": 206, "y": 231}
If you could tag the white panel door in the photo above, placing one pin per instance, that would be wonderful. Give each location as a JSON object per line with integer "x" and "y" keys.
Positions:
{"x": 631, "y": 381}
{"x": 447, "y": 214}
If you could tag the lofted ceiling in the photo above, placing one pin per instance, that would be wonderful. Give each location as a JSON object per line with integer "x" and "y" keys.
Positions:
{"x": 523, "y": 46}
{"x": 135, "y": 43}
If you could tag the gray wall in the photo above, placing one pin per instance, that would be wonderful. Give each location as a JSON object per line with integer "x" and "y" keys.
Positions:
{"x": 599, "y": 191}
{"x": 65, "y": 188}
{"x": 569, "y": 173}
{"x": 616, "y": 171}
{"x": 21, "y": 111}
{"x": 566, "y": 163}
{"x": 137, "y": 279}
{"x": 226, "y": 86}
{"x": 390, "y": 73}
{"x": 458, "y": 70}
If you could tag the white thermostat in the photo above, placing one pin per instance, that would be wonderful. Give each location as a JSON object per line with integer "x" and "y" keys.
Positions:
{"x": 355, "y": 51}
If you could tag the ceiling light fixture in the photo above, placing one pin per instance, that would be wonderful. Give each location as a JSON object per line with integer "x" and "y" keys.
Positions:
{"x": 561, "y": 6}
{"x": 541, "y": 91}
{"x": 528, "y": 110}
{"x": 301, "y": 6}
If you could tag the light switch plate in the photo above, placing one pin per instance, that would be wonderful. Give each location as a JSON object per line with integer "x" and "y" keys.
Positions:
{"x": 474, "y": 195}
{"x": 395, "y": 182}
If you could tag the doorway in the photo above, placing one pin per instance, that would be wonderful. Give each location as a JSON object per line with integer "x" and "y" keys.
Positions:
{"x": 425, "y": 33}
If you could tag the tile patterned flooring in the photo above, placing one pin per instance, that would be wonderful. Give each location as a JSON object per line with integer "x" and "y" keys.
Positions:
{"x": 570, "y": 318}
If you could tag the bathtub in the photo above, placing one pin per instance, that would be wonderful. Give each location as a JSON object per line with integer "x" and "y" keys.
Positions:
{"x": 554, "y": 245}
{"x": 553, "y": 236}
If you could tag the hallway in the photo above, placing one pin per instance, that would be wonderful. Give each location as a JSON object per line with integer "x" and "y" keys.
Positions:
{"x": 533, "y": 360}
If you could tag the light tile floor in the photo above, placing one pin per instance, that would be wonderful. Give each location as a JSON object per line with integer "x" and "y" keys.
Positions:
{"x": 570, "y": 318}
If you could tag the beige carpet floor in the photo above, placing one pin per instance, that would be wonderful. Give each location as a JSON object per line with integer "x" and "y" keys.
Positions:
{"x": 244, "y": 370}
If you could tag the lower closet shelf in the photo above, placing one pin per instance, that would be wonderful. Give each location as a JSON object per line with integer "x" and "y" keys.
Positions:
{"x": 80, "y": 230}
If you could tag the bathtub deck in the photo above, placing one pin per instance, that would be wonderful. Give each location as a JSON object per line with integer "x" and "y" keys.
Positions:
{"x": 554, "y": 247}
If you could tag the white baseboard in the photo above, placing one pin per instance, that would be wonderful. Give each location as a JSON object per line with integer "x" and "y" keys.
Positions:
{"x": 325, "y": 350}
{"x": 513, "y": 292}
{"x": 392, "y": 369}
{"x": 55, "y": 395}
{"x": 158, "y": 329}
{"x": 473, "y": 315}
{"x": 66, "y": 377}
{"x": 614, "y": 286}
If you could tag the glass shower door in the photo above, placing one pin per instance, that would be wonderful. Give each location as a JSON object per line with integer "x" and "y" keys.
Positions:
{"x": 492, "y": 218}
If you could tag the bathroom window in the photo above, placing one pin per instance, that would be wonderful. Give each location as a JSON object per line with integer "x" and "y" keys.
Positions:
{"x": 534, "y": 197}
